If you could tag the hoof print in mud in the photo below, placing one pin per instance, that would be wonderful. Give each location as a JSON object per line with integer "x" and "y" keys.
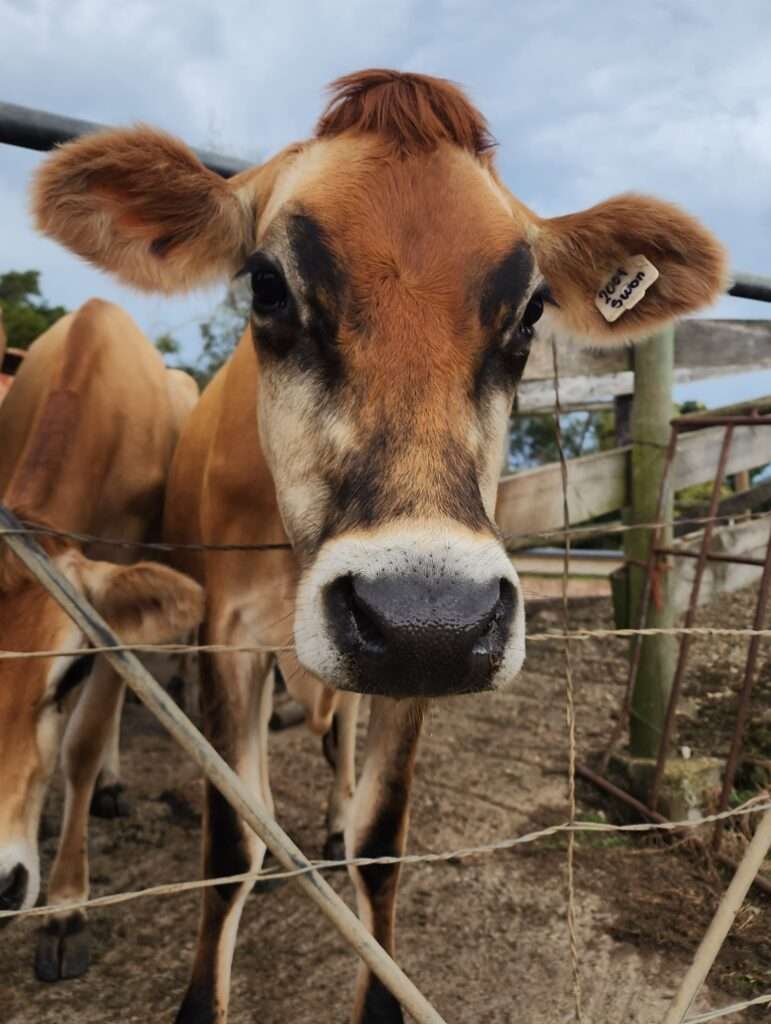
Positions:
{"x": 63, "y": 949}
{"x": 110, "y": 802}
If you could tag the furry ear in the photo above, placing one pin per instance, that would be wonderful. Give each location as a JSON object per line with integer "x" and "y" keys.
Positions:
{"x": 145, "y": 602}
{"x": 584, "y": 254}
{"x": 140, "y": 204}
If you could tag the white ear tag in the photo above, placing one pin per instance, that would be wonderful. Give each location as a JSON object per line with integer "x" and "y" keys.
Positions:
{"x": 625, "y": 287}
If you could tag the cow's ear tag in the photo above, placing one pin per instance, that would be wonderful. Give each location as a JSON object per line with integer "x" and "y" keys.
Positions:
{"x": 625, "y": 287}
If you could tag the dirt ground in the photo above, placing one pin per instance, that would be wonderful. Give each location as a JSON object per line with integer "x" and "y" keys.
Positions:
{"x": 486, "y": 938}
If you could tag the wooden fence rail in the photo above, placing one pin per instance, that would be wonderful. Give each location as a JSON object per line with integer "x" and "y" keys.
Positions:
{"x": 530, "y": 501}
{"x": 703, "y": 349}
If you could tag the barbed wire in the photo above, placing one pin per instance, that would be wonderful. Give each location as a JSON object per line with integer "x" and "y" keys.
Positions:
{"x": 570, "y": 827}
{"x": 577, "y": 634}
{"x": 570, "y": 711}
{"x": 517, "y": 539}
{"x": 32, "y": 530}
{"x": 756, "y": 805}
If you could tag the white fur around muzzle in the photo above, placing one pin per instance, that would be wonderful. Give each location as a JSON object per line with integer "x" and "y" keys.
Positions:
{"x": 400, "y": 549}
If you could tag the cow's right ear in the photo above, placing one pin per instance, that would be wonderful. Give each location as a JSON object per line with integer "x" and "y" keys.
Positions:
{"x": 145, "y": 602}
{"x": 141, "y": 205}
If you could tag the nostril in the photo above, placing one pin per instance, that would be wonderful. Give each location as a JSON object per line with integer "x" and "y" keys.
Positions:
{"x": 13, "y": 888}
{"x": 495, "y": 626}
{"x": 355, "y": 620}
{"x": 369, "y": 631}
{"x": 507, "y": 599}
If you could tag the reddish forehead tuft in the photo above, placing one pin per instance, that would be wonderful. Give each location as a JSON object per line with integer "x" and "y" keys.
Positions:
{"x": 416, "y": 112}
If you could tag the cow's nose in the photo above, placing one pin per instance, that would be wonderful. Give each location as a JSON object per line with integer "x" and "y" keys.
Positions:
{"x": 421, "y": 635}
{"x": 13, "y": 889}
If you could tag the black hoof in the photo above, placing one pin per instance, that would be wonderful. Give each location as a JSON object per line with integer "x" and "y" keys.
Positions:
{"x": 197, "y": 1006}
{"x": 380, "y": 1007}
{"x": 334, "y": 847}
{"x": 110, "y": 802}
{"x": 63, "y": 948}
{"x": 286, "y": 716}
{"x": 266, "y": 885}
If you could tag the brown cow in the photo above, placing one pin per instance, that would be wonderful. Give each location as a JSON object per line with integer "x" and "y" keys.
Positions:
{"x": 88, "y": 432}
{"x": 396, "y": 289}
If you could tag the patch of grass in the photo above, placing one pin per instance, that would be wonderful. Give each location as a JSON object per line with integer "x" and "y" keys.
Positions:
{"x": 600, "y": 840}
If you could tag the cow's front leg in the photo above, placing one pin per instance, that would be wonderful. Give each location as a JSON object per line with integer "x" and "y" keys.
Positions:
{"x": 339, "y": 746}
{"x": 109, "y": 799}
{"x": 236, "y": 701}
{"x": 378, "y": 828}
{"x": 63, "y": 943}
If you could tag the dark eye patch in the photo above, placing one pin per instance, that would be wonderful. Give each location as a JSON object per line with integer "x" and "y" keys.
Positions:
{"x": 506, "y": 285}
{"x": 79, "y": 670}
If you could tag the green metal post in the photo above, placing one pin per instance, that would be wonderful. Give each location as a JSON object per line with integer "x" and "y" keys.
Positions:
{"x": 651, "y": 413}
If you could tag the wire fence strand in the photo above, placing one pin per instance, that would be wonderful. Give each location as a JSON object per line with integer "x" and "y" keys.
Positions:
{"x": 570, "y": 711}
{"x": 758, "y": 804}
{"x": 566, "y": 636}
{"x": 704, "y": 1018}
{"x": 513, "y": 541}
{"x": 550, "y": 636}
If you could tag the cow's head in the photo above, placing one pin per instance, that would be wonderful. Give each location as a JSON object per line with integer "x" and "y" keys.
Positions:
{"x": 397, "y": 287}
{"x": 144, "y": 603}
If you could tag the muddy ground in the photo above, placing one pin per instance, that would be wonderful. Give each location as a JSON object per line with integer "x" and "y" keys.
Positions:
{"x": 485, "y": 939}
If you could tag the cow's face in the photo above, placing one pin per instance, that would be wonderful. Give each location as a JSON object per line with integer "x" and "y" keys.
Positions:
{"x": 145, "y": 603}
{"x": 394, "y": 304}
{"x": 396, "y": 286}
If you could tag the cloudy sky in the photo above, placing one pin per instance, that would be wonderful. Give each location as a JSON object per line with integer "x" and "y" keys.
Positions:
{"x": 671, "y": 97}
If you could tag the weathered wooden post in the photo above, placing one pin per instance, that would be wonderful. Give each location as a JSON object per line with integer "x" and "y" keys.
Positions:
{"x": 651, "y": 412}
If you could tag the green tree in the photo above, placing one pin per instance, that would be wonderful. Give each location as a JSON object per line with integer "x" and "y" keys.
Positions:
{"x": 167, "y": 345}
{"x": 26, "y": 314}
{"x": 219, "y": 336}
{"x": 533, "y": 439}
{"x": 221, "y": 332}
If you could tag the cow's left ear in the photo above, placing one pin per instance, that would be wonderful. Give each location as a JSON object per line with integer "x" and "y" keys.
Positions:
{"x": 621, "y": 269}
{"x": 140, "y": 204}
{"x": 145, "y": 602}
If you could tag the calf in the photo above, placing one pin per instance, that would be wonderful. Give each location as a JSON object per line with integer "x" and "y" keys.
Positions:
{"x": 397, "y": 286}
{"x": 88, "y": 431}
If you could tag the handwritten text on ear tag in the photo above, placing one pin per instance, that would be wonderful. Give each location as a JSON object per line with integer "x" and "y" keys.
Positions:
{"x": 625, "y": 287}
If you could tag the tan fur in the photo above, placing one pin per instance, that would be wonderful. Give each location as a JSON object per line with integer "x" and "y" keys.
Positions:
{"x": 88, "y": 432}
{"x": 579, "y": 252}
{"x": 402, "y": 186}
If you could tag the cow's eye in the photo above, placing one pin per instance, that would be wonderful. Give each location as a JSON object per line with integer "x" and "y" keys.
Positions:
{"x": 269, "y": 291}
{"x": 532, "y": 315}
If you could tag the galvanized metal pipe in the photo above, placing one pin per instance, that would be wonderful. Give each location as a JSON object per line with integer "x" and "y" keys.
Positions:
{"x": 39, "y": 130}
{"x": 751, "y": 286}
